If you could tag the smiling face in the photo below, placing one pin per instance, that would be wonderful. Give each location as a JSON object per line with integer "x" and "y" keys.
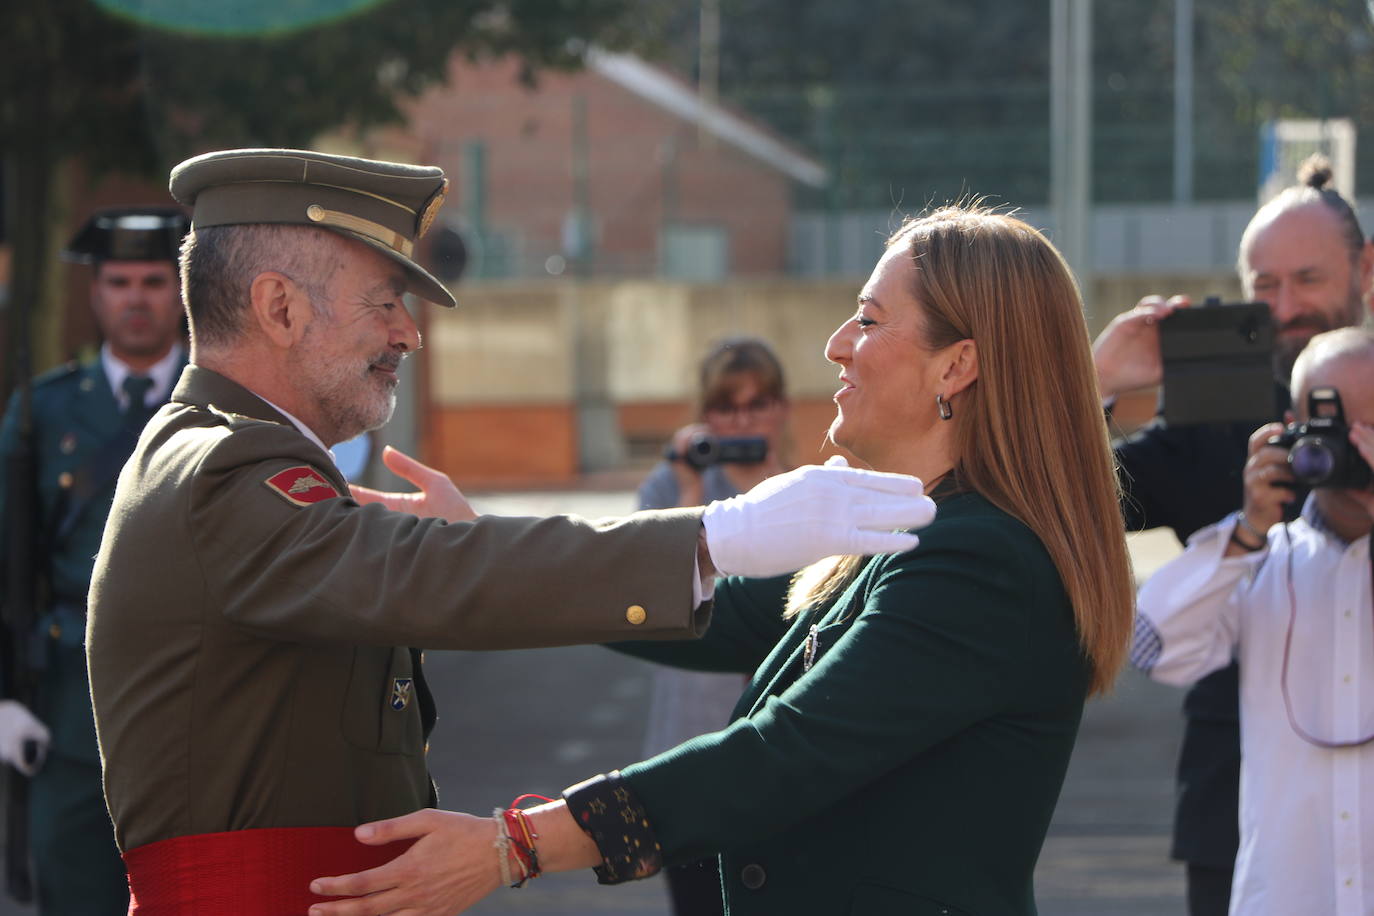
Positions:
{"x": 886, "y": 407}
{"x": 1300, "y": 264}
{"x": 137, "y": 306}
{"x": 346, "y": 362}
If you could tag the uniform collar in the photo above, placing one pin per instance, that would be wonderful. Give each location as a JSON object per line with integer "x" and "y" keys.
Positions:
{"x": 206, "y": 388}
{"x": 304, "y": 430}
{"x": 162, "y": 372}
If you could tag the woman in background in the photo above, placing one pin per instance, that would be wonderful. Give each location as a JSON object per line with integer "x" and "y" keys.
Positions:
{"x": 741, "y": 394}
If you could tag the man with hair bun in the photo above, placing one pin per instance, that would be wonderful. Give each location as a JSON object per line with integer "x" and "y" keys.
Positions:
{"x": 1305, "y": 255}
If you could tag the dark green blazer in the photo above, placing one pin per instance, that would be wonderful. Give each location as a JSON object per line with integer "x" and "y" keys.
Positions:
{"x": 914, "y": 767}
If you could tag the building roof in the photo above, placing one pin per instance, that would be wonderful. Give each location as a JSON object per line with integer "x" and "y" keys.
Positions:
{"x": 672, "y": 95}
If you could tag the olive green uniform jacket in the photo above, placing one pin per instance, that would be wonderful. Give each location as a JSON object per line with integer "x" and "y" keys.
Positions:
{"x": 249, "y": 622}
{"x": 912, "y": 765}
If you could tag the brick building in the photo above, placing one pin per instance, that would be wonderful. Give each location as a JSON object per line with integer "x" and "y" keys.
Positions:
{"x": 620, "y": 169}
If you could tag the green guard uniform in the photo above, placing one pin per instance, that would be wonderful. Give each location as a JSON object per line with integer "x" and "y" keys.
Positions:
{"x": 81, "y": 436}
{"x": 75, "y": 418}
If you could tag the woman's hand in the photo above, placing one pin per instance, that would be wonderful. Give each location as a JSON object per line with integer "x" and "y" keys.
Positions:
{"x": 689, "y": 485}
{"x": 452, "y": 865}
{"x": 438, "y": 497}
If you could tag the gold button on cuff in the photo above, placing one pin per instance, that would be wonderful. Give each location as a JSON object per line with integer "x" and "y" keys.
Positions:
{"x": 64, "y": 480}
{"x": 55, "y": 631}
{"x": 635, "y": 614}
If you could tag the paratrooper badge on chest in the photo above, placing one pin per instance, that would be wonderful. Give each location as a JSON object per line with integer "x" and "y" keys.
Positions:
{"x": 301, "y": 485}
{"x": 401, "y": 688}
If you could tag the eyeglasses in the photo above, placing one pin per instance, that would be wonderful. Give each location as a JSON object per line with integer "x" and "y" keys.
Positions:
{"x": 756, "y": 407}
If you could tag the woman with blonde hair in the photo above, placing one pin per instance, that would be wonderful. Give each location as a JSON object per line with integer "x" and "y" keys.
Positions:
{"x": 903, "y": 740}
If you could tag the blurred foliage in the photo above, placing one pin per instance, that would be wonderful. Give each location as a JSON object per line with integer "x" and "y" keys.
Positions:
{"x": 124, "y": 95}
{"x": 79, "y": 82}
{"x": 909, "y": 102}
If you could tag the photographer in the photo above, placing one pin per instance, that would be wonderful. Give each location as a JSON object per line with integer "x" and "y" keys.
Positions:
{"x": 1305, "y": 255}
{"x": 741, "y": 397}
{"x": 1292, "y": 601}
{"x": 741, "y": 409}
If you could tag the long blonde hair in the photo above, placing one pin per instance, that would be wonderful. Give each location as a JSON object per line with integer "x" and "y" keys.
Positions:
{"x": 1029, "y": 433}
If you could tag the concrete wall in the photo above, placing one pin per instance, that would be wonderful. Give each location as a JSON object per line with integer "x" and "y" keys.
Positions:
{"x": 537, "y": 382}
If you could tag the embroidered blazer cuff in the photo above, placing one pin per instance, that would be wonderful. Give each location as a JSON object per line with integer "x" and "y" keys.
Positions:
{"x": 611, "y": 814}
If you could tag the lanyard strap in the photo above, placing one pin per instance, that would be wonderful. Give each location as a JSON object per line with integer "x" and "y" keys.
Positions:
{"x": 1288, "y": 645}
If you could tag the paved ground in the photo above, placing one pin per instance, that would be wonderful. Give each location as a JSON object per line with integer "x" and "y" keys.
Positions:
{"x": 536, "y": 721}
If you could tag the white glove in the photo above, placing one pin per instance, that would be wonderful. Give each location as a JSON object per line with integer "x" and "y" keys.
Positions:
{"x": 17, "y": 727}
{"x": 794, "y": 519}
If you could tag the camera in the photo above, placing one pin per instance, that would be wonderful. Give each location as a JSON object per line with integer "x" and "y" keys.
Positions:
{"x": 1319, "y": 451}
{"x": 704, "y": 450}
{"x": 1218, "y": 363}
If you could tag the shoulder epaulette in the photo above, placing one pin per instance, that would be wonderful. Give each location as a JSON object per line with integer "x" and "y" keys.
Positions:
{"x": 239, "y": 420}
{"x": 57, "y": 374}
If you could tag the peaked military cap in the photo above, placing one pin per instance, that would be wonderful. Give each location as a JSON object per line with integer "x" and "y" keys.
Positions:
{"x": 129, "y": 234}
{"x": 386, "y": 205}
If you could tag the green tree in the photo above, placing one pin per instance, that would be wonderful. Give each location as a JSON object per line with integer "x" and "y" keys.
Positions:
{"x": 80, "y": 83}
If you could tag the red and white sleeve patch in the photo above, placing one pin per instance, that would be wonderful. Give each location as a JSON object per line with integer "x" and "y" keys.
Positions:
{"x": 301, "y": 486}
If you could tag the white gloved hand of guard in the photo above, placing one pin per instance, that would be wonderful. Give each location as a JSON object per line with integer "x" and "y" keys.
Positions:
{"x": 794, "y": 519}
{"x": 18, "y": 726}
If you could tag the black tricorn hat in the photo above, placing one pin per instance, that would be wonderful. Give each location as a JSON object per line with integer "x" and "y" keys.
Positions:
{"x": 129, "y": 234}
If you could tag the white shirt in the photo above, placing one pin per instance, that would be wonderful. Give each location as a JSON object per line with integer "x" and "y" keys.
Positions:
{"x": 163, "y": 373}
{"x": 1306, "y": 812}
{"x": 304, "y": 430}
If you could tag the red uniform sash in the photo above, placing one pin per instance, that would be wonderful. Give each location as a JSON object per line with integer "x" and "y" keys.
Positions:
{"x": 264, "y": 872}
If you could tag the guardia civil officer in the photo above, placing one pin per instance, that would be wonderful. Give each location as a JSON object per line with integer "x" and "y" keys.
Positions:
{"x": 255, "y": 690}
{"x": 85, "y": 419}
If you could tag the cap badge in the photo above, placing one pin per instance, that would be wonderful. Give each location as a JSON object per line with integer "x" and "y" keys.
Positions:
{"x": 400, "y": 692}
{"x": 432, "y": 209}
{"x": 301, "y": 486}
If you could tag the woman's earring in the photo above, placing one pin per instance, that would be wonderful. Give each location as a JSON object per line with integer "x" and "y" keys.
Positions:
{"x": 946, "y": 411}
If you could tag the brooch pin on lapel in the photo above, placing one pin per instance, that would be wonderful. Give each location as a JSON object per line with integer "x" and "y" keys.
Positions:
{"x": 813, "y": 642}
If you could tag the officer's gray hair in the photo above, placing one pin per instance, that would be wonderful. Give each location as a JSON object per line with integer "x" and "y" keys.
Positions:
{"x": 219, "y": 263}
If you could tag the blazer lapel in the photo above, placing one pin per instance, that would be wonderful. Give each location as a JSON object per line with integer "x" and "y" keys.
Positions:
{"x": 787, "y": 663}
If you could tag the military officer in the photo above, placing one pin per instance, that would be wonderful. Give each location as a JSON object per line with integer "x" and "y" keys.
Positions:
{"x": 262, "y": 678}
{"x": 85, "y": 420}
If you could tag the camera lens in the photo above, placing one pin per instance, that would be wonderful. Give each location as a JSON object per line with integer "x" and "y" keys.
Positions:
{"x": 1312, "y": 460}
{"x": 702, "y": 451}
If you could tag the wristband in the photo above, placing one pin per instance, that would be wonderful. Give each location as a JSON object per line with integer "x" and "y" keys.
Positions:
{"x": 1249, "y": 548}
{"x": 1244, "y": 522}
